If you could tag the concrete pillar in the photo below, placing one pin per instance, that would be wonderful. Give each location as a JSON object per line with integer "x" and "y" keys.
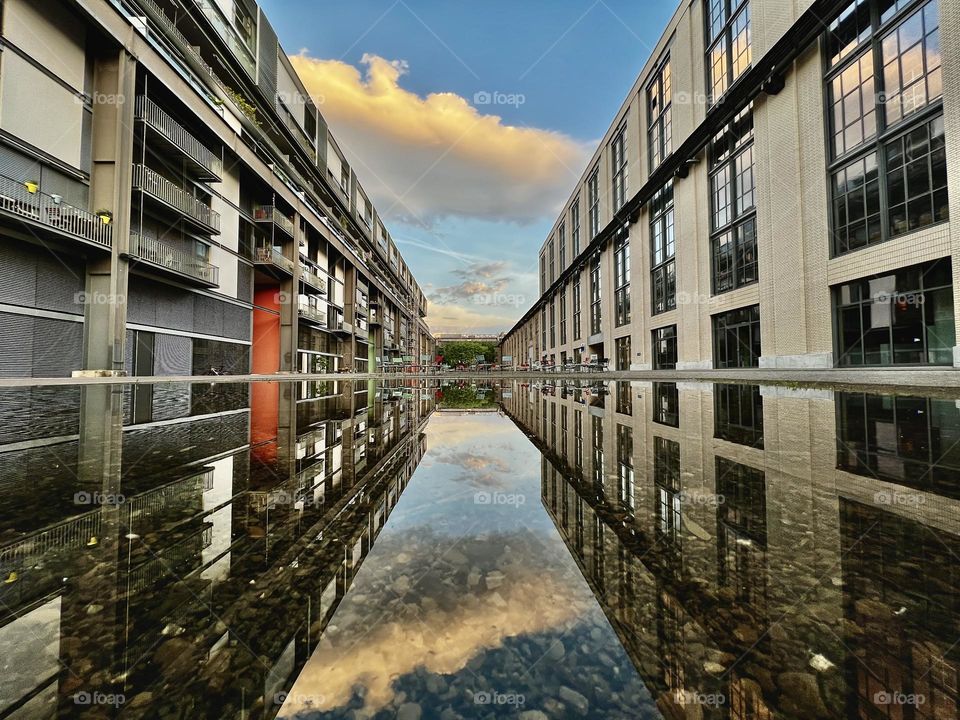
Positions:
{"x": 950, "y": 54}
{"x": 105, "y": 313}
{"x": 290, "y": 300}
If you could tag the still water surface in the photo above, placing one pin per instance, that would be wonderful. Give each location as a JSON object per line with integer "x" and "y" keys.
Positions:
{"x": 451, "y": 550}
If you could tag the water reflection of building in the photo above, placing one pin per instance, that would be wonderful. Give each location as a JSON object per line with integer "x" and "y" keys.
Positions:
{"x": 792, "y": 551}
{"x": 174, "y": 562}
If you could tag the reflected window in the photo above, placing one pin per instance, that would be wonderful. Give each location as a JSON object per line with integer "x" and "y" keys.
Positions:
{"x": 910, "y": 440}
{"x": 627, "y": 490}
{"x": 742, "y": 529}
{"x": 666, "y": 404}
{"x": 738, "y": 414}
{"x": 904, "y": 318}
{"x": 624, "y": 398}
{"x": 666, "y": 477}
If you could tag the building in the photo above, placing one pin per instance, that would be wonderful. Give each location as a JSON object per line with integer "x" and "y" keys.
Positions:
{"x": 773, "y": 192}
{"x": 173, "y": 202}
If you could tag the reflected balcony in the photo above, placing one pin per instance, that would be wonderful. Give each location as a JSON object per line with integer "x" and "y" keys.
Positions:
{"x": 48, "y": 212}
{"x": 157, "y": 187}
{"x": 269, "y": 214}
{"x": 178, "y": 142}
{"x": 173, "y": 261}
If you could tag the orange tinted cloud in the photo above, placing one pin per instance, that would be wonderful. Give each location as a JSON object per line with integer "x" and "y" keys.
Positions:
{"x": 438, "y": 156}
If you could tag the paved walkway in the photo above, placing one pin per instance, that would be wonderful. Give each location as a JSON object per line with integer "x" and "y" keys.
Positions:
{"x": 926, "y": 380}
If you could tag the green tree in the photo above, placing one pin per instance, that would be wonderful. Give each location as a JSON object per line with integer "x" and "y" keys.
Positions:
{"x": 465, "y": 352}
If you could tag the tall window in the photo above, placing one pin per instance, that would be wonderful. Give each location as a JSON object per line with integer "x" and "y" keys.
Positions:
{"x": 553, "y": 323}
{"x": 562, "y": 241}
{"x": 903, "y": 318}
{"x": 663, "y": 250}
{"x": 665, "y": 348}
{"x": 666, "y": 404}
{"x": 543, "y": 273}
{"x": 885, "y": 90}
{"x": 543, "y": 331}
{"x": 738, "y": 414}
{"x": 733, "y": 225}
{"x": 728, "y": 39}
{"x": 659, "y": 98}
{"x": 577, "y": 306}
{"x": 621, "y": 279}
{"x": 622, "y": 349}
{"x": 593, "y": 201}
{"x": 627, "y": 489}
{"x": 618, "y": 162}
{"x": 563, "y": 316}
{"x": 575, "y": 226}
{"x": 595, "y": 295}
{"x": 736, "y": 338}
{"x": 551, "y": 251}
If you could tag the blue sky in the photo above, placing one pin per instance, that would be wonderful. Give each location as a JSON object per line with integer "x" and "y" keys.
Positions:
{"x": 470, "y": 188}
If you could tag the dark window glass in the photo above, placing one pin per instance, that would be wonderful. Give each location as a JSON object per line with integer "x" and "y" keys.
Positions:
{"x": 663, "y": 250}
{"x": 665, "y": 348}
{"x": 738, "y": 414}
{"x": 666, "y": 404}
{"x": 736, "y": 336}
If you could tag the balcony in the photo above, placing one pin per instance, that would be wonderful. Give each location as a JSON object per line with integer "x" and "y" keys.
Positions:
{"x": 310, "y": 278}
{"x": 270, "y": 214}
{"x": 312, "y": 315}
{"x": 229, "y": 35}
{"x": 207, "y": 166}
{"x": 49, "y": 212}
{"x": 172, "y": 260}
{"x": 269, "y": 257}
{"x": 159, "y": 188}
{"x": 343, "y": 328}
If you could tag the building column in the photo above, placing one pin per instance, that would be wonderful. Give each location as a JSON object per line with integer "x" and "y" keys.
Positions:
{"x": 950, "y": 38}
{"x": 105, "y": 309}
{"x": 290, "y": 301}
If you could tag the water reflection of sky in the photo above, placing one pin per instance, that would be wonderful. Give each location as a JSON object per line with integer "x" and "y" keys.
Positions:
{"x": 468, "y": 600}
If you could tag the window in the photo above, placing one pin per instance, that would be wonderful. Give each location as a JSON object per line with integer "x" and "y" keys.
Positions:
{"x": 666, "y": 404}
{"x": 575, "y": 226}
{"x": 738, "y": 414}
{"x": 663, "y": 249}
{"x": 563, "y": 316}
{"x": 665, "y": 348}
{"x": 621, "y": 279}
{"x": 884, "y": 86}
{"x": 553, "y": 323}
{"x": 543, "y": 273}
{"x": 618, "y": 162}
{"x": 576, "y": 306}
{"x": 562, "y": 241}
{"x": 593, "y": 200}
{"x": 666, "y": 476}
{"x": 733, "y": 225}
{"x": 595, "y": 295}
{"x": 543, "y": 331}
{"x": 551, "y": 252}
{"x": 904, "y": 318}
{"x": 622, "y": 348}
{"x": 736, "y": 338}
{"x": 728, "y": 38}
{"x": 659, "y": 98}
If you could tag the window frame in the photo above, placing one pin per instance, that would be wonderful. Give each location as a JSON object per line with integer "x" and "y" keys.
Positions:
{"x": 619, "y": 167}
{"x": 621, "y": 281}
{"x": 593, "y": 202}
{"x": 660, "y": 272}
{"x": 724, "y": 36}
{"x": 660, "y": 126}
{"x": 662, "y": 340}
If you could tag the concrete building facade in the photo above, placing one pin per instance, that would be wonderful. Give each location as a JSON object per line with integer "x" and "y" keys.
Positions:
{"x": 772, "y": 193}
{"x": 173, "y": 202}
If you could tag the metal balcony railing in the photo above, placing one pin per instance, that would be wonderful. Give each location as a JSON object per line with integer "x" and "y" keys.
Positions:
{"x": 269, "y": 255}
{"x": 229, "y": 35}
{"x": 312, "y": 279}
{"x": 165, "y": 256}
{"x": 51, "y": 212}
{"x": 151, "y": 114}
{"x": 70, "y": 534}
{"x": 270, "y": 214}
{"x": 312, "y": 314}
{"x": 157, "y": 186}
